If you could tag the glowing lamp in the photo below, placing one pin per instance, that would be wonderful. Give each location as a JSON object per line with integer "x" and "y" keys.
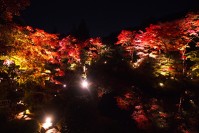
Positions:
{"x": 48, "y": 123}
{"x": 64, "y": 85}
{"x": 27, "y": 111}
{"x": 161, "y": 84}
{"x": 84, "y": 84}
{"x": 8, "y": 62}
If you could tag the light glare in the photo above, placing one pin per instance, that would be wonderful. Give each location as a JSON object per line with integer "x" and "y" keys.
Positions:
{"x": 84, "y": 84}
{"x": 48, "y": 123}
{"x": 64, "y": 85}
{"x": 161, "y": 84}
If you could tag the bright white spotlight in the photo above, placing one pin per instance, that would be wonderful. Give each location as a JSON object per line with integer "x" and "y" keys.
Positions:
{"x": 84, "y": 84}
{"x": 48, "y": 123}
{"x": 64, "y": 85}
{"x": 161, "y": 84}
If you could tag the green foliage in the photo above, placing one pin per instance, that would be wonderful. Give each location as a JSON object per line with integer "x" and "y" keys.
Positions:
{"x": 194, "y": 68}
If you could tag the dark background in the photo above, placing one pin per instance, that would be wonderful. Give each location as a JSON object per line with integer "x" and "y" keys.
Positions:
{"x": 102, "y": 17}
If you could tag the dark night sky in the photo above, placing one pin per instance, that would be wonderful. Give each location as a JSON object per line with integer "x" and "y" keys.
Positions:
{"x": 101, "y": 16}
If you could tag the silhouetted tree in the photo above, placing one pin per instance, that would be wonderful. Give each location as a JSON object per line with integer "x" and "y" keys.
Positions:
{"x": 10, "y": 8}
{"x": 82, "y": 31}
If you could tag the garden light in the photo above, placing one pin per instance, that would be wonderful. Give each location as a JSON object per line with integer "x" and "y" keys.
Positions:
{"x": 64, "y": 85}
{"x": 48, "y": 123}
{"x": 84, "y": 84}
{"x": 161, "y": 84}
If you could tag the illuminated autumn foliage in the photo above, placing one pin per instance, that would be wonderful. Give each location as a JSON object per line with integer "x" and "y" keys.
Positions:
{"x": 146, "y": 112}
{"x": 167, "y": 66}
{"x": 31, "y": 50}
{"x": 35, "y": 51}
{"x": 93, "y": 48}
{"x": 69, "y": 50}
{"x": 169, "y": 38}
{"x": 140, "y": 118}
{"x": 132, "y": 101}
{"x": 166, "y": 52}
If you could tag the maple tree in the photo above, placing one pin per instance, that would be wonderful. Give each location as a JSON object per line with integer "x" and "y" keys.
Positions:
{"x": 193, "y": 56}
{"x": 125, "y": 39}
{"x": 31, "y": 50}
{"x": 146, "y": 113}
{"x": 132, "y": 100}
{"x": 29, "y": 54}
{"x": 69, "y": 52}
{"x": 162, "y": 38}
{"x": 172, "y": 50}
{"x": 92, "y": 49}
{"x": 191, "y": 28}
{"x": 75, "y": 54}
{"x": 76, "y": 51}
{"x": 168, "y": 66}
{"x": 152, "y": 113}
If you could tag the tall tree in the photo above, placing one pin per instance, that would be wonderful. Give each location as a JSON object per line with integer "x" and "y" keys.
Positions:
{"x": 31, "y": 50}
{"x": 165, "y": 38}
{"x": 82, "y": 31}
